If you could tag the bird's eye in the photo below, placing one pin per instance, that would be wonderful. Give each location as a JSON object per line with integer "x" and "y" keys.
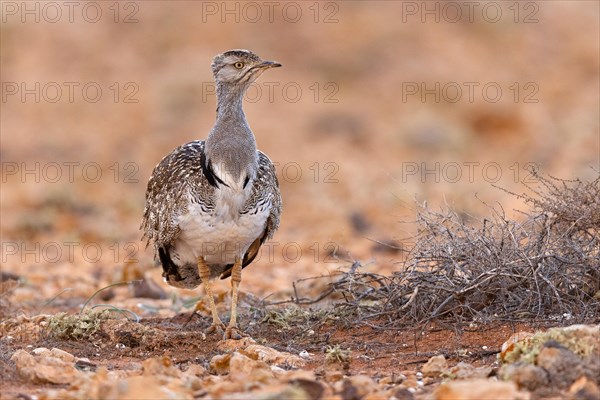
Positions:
{"x": 239, "y": 65}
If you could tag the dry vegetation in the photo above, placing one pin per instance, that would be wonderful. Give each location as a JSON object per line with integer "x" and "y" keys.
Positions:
{"x": 461, "y": 270}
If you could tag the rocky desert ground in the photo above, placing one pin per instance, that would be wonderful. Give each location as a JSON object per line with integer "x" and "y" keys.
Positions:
{"x": 438, "y": 163}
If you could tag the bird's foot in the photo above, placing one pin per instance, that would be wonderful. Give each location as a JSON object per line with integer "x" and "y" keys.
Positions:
{"x": 233, "y": 332}
{"x": 217, "y": 328}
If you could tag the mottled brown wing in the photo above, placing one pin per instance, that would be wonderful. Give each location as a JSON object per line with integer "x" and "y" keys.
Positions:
{"x": 178, "y": 178}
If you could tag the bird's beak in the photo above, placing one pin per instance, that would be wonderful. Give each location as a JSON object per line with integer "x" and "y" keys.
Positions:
{"x": 268, "y": 64}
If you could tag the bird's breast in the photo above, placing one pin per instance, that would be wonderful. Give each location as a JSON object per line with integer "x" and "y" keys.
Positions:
{"x": 224, "y": 231}
{"x": 216, "y": 236}
{"x": 229, "y": 201}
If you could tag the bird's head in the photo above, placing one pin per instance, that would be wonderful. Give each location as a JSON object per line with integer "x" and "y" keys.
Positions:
{"x": 239, "y": 68}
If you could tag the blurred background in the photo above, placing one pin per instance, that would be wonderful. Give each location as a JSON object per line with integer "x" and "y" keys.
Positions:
{"x": 378, "y": 105}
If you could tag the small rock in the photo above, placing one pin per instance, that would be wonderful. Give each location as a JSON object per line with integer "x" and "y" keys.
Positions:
{"x": 221, "y": 389}
{"x": 479, "y": 389}
{"x": 277, "y": 370}
{"x": 44, "y": 368}
{"x": 525, "y": 375}
{"x": 118, "y": 374}
{"x": 219, "y": 364}
{"x": 435, "y": 366}
{"x": 87, "y": 366}
{"x": 160, "y": 366}
{"x": 347, "y": 391}
{"x": 562, "y": 365}
{"x": 464, "y": 370}
{"x": 63, "y": 355}
{"x": 257, "y": 369}
{"x": 231, "y": 345}
{"x": 302, "y": 374}
{"x": 386, "y": 380}
{"x": 403, "y": 394}
{"x": 41, "y": 351}
{"x": 580, "y": 339}
{"x": 509, "y": 345}
{"x": 273, "y": 356}
{"x": 411, "y": 382}
{"x": 332, "y": 376}
{"x": 193, "y": 382}
{"x": 312, "y": 388}
{"x": 271, "y": 393}
{"x": 357, "y": 387}
{"x": 195, "y": 370}
{"x": 192, "y": 377}
{"x": 398, "y": 378}
{"x": 304, "y": 354}
{"x": 584, "y": 389}
{"x": 146, "y": 387}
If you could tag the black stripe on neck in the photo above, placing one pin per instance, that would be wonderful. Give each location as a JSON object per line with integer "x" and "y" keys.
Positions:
{"x": 209, "y": 173}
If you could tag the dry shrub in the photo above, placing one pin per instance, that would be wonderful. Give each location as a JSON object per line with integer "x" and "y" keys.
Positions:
{"x": 545, "y": 267}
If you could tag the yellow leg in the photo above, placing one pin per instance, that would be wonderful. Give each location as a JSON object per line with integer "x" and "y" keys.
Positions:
{"x": 232, "y": 331}
{"x": 217, "y": 325}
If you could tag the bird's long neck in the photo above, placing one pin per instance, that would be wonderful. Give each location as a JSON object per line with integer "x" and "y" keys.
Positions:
{"x": 229, "y": 102}
{"x": 230, "y": 146}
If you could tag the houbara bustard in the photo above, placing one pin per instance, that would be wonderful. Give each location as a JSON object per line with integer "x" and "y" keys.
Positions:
{"x": 211, "y": 204}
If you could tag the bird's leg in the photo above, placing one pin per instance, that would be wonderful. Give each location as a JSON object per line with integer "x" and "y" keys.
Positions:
{"x": 217, "y": 325}
{"x": 232, "y": 331}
